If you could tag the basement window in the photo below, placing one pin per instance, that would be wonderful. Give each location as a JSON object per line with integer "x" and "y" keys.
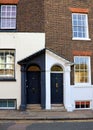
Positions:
{"x": 7, "y": 104}
{"x": 82, "y": 104}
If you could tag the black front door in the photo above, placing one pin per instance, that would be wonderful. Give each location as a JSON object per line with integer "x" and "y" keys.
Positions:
{"x": 56, "y": 88}
{"x": 33, "y": 88}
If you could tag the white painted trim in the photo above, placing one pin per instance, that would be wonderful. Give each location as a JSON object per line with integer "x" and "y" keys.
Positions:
{"x": 5, "y": 108}
{"x": 57, "y": 72}
{"x": 53, "y": 59}
{"x": 86, "y": 26}
{"x": 83, "y": 39}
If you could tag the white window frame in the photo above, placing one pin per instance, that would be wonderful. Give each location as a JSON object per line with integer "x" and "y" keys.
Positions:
{"x": 8, "y": 17}
{"x": 89, "y": 72}
{"x": 85, "y": 27}
{"x": 7, "y": 62}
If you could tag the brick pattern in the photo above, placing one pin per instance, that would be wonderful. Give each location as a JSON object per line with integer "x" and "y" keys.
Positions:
{"x": 54, "y": 17}
{"x": 30, "y": 16}
{"x": 58, "y": 28}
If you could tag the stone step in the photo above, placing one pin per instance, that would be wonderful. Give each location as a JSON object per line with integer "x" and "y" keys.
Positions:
{"x": 33, "y": 107}
{"x": 37, "y": 107}
{"x": 58, "y": 107}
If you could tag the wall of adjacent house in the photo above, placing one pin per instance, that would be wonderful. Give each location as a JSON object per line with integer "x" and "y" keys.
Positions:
{"x": 58, "y": 28}
{"x": 55, "y": 19}
{"x": 25, "y": 44}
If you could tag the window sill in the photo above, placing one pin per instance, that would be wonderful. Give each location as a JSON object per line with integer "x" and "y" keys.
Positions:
{"x": 83, "y": 86}
{"x": 8, "y": 30}
{"x": 7, "y": 80}
{"x": 86, "y": 39}
{"x": 7, "y": 108}
{"x": 83, "y": 108}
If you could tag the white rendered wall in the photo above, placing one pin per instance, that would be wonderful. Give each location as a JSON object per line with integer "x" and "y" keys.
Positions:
{"x": 25, "y": 44}
{"x": 82, "y": 93}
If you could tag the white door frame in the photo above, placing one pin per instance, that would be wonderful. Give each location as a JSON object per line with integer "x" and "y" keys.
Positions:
{"x": 52, "y": 59}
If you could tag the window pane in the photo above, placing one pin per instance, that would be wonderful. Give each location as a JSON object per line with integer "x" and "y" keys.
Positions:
{"x": 3, "y": 14}
{"x": 11, "y": 103}
{"x": 76, "y": 77}
{"x": 2, "y": 72}
{"x": 74, "y": 16}
{"x": 14, "y": 8}
{"x": 75, "y": 34}
{"x": 79, "y": 21}
{"x": 81, "y": 69}
{"x": 8, "y": 14}
{"x": 13, "y": 23}
{"x": 7, "y": 63}
{"x": 13, "y": 14}
{"x": 79, "y": 34}
{"x": 75, "y": 28}
{"x": 81, "y": 77}
{"x": 8, "y": 17}
{"x": 3, "y": 8}
{"x": 4, "y": 103}
{"x": 83, "y": 17}
{"x": 2, "y": 60}
{"x": 75, "y": 23}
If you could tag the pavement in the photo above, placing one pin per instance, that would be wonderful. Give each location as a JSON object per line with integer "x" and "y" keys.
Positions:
{"x": 46, "y": 115}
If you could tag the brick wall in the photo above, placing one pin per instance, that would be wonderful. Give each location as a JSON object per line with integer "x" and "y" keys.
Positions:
{"x": 30, "y": 16}
{"x": 54, "y": 17}
{"x": 58, "y": 28}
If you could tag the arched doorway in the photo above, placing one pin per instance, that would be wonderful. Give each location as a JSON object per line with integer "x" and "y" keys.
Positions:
{"x": 56, "y": 85}
{"x": 33, "y": 85}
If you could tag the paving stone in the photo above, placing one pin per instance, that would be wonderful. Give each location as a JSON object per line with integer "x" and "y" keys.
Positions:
{"x": 45, "y": 115}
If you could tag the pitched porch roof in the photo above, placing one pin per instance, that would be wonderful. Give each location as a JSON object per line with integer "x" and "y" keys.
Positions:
{"x": 42, "y": 51}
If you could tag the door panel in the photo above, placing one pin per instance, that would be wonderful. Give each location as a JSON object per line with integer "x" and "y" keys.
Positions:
{"x": 33, "y": 89}
{"x": 56, "y": 88}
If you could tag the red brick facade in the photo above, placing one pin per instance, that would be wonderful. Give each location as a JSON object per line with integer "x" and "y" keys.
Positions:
{"x": 54, "y": 18}
{"x": 30, "y": 16}
{"x": 58, "y": 28}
